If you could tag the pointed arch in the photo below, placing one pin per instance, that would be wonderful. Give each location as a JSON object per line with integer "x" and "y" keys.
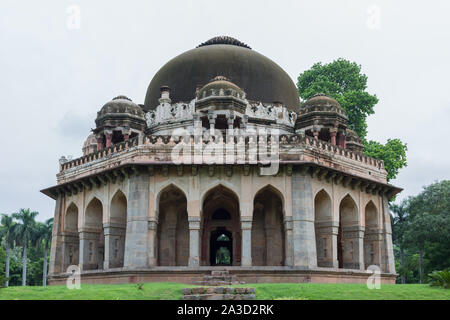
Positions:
{"x": 223, "y": 184}
{"x": 71, "y": 218}
{"x": 323, "y": 228}
{"x": 371, "y": 215}
{"x": 118, "y": 208}
{"x": 224, "y": 201}
{"x": 348, "y": 210}
{"x": 322, "y": 206}
{"x": 93, "y": 217}
{"x": 268, "y": 235}
{"x": 372, "y": 245}
{"x": 165, "y": 188}
{"x": 349, "y": 245}
{"x": 173, "y": 227}
{"x": 275, "y": 190}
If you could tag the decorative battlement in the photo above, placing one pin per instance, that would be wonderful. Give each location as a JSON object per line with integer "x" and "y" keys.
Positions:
{"x": 285, "y": 143}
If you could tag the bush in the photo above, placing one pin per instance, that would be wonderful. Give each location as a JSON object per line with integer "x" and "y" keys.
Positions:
{"x": 2, "y": 281}
{"x": 440, "y": 279}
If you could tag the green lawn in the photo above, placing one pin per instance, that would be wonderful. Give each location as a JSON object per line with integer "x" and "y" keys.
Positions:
{"x": 309, "y": 291}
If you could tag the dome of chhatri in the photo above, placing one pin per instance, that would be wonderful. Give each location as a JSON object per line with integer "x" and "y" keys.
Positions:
{"x": 121, "y": 110}
{"x": 322, "y": 100}
{"x": 261, "y": 78}
{"x": 121, "y": 104}
{"x": 220, "y": 86}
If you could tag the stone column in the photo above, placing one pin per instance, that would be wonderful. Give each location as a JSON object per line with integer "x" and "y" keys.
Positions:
{"x": 212, "y": 124}
{"x": 246, "y": 247}
{"x": 89, "y": 250}
{"x": 327, "y": 232}
{"x": 304, "y": 241}
{"x": 56, "y": 252}
{"x": 289, "y": 261}
{"x": 99, "y": 139}
{"x": 136, "y": 241}
{"x": 152, "y": 231}
{"x": 126, "y": 134}
{"x": 333, "y": 133}
{"x": 194, "y": 241}
{"x": 388, "y": 256}
{"x": 114, "y": 245}
{"x": 70, "y": 248}
{"x": 108, "y": 135}
{"x": 353, "y": 251}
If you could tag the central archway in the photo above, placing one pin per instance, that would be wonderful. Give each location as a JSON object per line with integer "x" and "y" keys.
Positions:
{"x": 220, "y": 232}
{"x": 221, "y": 247}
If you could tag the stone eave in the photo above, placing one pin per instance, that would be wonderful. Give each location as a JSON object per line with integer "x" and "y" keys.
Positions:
{"x": 125, "y": 170}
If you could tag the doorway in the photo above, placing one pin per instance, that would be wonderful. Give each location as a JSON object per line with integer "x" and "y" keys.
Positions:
{"x": 221, "y": 248}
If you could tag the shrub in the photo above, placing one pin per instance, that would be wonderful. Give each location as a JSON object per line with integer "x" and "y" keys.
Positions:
{"x": 440, "y": 279}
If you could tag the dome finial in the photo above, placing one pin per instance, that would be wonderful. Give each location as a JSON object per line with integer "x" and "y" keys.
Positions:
{"x": 224, "y": 40}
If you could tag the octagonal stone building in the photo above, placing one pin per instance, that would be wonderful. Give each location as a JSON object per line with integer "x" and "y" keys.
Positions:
{"x": 221, "y": 168}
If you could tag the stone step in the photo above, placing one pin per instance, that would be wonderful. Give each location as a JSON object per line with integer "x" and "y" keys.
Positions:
{"x": 218, "y": 293}
{"x": 220, "y": 273}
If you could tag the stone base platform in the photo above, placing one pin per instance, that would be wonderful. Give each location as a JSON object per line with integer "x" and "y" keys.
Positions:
{"x": 194, "y": 276}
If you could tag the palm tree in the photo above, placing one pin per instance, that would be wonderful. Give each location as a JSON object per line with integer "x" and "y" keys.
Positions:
{"x": 400, "y": 223}
{"x": 24, "y": 231}
{"x": 44, "y": 237}
{"x": 7, "y": 233}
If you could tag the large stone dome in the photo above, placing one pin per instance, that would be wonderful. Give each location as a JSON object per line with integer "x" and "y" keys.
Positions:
{"x": 261, "y": 78}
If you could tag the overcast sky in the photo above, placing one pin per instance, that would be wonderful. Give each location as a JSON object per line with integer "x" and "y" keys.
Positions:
{"x": 55, "y": 74}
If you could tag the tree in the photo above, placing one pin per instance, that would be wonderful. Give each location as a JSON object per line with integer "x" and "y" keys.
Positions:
{"x": 343, "y": 81}
{"x": 8, "y": 236}
{"x": 393, "y": 153}
{"x": 24, "y": 231}
{"x": 429, "y": 225}
{"x": 43, "y": 238}
{"x": 399, "y": 228}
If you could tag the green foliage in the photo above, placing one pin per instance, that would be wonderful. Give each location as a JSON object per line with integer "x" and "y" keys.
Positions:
{"x": 440, "y": 279}
{"x": 26, "y": 228}
{"x": 422, "y": 224}
{"x": 343, "y": 81}
{"x": 393, "y": 153}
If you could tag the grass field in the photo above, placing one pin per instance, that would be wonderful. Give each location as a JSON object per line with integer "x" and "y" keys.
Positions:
{"x": 290, "y": 291}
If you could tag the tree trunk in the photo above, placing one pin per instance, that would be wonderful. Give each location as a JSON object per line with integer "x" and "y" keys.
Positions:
{"x": 7, "y": 266}
{"x": 421, "y": 265}
{"x": 402, "y": 262}
{"x": 24, "y": 266}
{"x": 44, "y": 272}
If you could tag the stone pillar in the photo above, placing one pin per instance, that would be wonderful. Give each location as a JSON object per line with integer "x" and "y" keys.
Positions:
{"x": 99, "y": 139}
{"x": 246, "y": 247}
{"x": 289, "y": 261}
{"x": 152, "y": 229}
{"x": 136, "y": 241}
{"x": 388, "y": 256}
{"x": 333, "y": 133}
{"x": 230, "y": 122}
{"x": 89, "y": 257}
{"x": 70, "y": 248}
{"x": 108, "y": 135}
{"x": 373, "y": 240}
{"x": 353, "y": 247}
{"x": 126, "y": 134}
{"x": 326, "y": 242}
{"x": 304, "y": 241}
{"x": 114, "y": 245}
{"x": 194, "y": 241}
{"x": 56, "y": 249}
{"x": 212, "y": 124}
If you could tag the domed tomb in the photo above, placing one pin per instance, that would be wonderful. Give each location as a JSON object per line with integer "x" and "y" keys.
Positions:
{"x": 261, "y": 78}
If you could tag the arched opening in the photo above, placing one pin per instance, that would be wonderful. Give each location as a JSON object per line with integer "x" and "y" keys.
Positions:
{"x": 220, "y": 217}
{"x": 94, "y": 236}
{"x": 173, "y": 228}
{"x": 372, "y": 237}
{"x": 323, "y": 222}
{"x": 268, "y": 247}
{"x": 117, "y": 230}
{"x": 71, "y": 237}
{"x": 221, "y": 248}
{"x": 348, "y": 245}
